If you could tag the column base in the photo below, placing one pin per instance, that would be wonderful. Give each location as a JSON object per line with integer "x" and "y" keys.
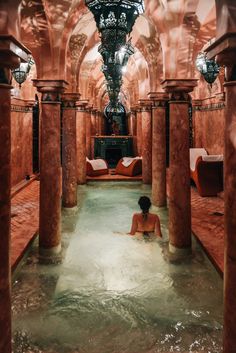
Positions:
{"x": 69, "y": 207}
{"x": 179, "y": 251}
{"x": 50, "y": 256}
{"x": 161, "y": 208}
{"x": 70, "y": 210}
{"x": 176, "y": 255}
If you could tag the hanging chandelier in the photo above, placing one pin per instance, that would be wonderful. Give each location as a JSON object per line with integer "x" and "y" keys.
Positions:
{"x": 208, "y": 68}
{"x": 115, "y": 20}
{"x": 20, "y": 74}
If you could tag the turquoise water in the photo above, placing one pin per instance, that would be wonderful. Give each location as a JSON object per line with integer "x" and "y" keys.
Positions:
{"x": 114, "y": 293}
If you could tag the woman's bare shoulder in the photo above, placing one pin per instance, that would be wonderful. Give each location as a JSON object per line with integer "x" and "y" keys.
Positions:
{"x": 154, "y": 216}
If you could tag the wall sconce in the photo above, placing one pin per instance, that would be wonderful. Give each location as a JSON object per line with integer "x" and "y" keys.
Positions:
{"x": 208, "y": 68}
{"x": 20, "y": 74}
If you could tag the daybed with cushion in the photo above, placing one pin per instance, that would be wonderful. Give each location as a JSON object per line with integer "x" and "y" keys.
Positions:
{"x": 96, "y": 167}
{"x": 206, "y": 171}
{"x": 129, "y": 166}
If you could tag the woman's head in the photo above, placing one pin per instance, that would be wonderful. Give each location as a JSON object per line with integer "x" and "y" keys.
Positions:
{"x": 144, "y": 203}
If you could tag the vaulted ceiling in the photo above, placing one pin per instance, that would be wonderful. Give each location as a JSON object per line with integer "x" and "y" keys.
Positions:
{"x": 63, "y": 38}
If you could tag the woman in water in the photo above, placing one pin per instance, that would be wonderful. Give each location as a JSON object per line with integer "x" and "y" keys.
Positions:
{"x": 145, "y": 222}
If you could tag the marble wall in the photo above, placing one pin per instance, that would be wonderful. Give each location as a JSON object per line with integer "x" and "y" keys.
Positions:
{"x": 208, "y": 125}
{"x": 21, "y": 140}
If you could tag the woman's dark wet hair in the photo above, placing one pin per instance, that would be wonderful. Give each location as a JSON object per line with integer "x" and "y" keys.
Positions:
{"x": 144, "y": 203}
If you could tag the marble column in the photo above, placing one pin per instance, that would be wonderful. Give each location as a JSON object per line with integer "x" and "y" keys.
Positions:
{"x": 225, "y": 50}
{"x": 133, "y": 122}
{"x": 88, "y": 131}
{"x": 128, "y": 123}
{"x": 146, "y": 116}
{"x": 69, "y": 157}
{"x": 139, "y": 132}
{"x": 134, "y": 130}
{"x": 179, "y": 171}
{"x": 93, "y": 122}
{"x": 159, "y": 148}
{"x": 81, "y": 143}
{"x": 11, "y": 52}
{"x": 97, "y": 122}
{"x": 50, "y": 167}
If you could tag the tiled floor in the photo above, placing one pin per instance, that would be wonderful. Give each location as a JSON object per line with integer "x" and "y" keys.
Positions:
{"x": 207, "y": 223}
{"x": 208, "y": 226}
{"x": 24, "y": 220}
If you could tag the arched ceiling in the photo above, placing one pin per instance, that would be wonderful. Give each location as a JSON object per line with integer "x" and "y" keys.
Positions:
{"x": 63, "y": 38}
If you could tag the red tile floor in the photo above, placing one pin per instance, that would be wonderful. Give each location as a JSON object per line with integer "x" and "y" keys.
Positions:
{"x": 24, "y": 220}
{"x": 207, "y": 223}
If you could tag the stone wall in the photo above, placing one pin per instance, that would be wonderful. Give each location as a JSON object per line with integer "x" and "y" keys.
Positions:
{"x": 208, "y": 124}
{"x": 21, "y": 140}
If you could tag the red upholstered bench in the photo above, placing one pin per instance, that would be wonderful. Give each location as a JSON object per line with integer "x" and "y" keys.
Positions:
{"x": 95, "y": 167}
{"x": 135, "y": 168}
{"x": 207, "y": 173}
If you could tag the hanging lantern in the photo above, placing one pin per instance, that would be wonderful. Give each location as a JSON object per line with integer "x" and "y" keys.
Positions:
{"x": 20, "y": 74}
{"x": 115, "y": 20}
{"x": 208, "y": 68}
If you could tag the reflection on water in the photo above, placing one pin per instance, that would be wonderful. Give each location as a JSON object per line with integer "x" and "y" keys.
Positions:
{"x": 114, "y": 293}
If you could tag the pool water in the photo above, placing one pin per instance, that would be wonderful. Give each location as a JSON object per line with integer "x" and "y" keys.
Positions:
{"x": 114, "y": 293}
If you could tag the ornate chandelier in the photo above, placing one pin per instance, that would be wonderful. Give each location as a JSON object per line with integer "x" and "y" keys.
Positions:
{"x": 208, "y": 68}
{"x": 115, "y": 20}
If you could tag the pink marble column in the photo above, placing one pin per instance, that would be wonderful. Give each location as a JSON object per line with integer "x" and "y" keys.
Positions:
{"x": 179, "y": 171}
{"x": 102, "y": 131}
{"x": 97, "y": 121}
{"x": 81, "y": 143}
{"x": 225, "y": 49}
{"x": 5, "y": 212}
{"x": 134, "y": 130}
{"x": 69, "y": 157}
{"x": 139, "y": 132}
{"x": 133, "y": 123}
{"x": 50, "y": 167}
{"x": 88, "y": 131}
{"x": 10, "y": 53}
{"x": 93, "y": 122}
{"x": 146, "y": 115}
{"x": 128, "y": 123}
{"x": 159, "y": 148}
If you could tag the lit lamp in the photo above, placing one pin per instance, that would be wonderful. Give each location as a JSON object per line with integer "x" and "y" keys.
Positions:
{"x": 208, "y": 68}
{"x": 115, "y": 20}
{"x": 20, "y": 74}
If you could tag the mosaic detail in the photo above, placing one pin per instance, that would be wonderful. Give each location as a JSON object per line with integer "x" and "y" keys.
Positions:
{"x": 214, "y": 106}
{"x": 20, "y": 109}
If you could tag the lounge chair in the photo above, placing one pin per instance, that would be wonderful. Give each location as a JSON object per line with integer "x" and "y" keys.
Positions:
{"x": 206, "y": 171}
{"x": 129, "y": 166}
{"x": 96, "y": 167}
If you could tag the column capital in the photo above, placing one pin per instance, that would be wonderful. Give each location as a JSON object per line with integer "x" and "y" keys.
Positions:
{"x": 69, "y": 99}
{"x": 81, "y": 105}
{"x": 89, "y": 108}
{"x": 158, "y": 96}
{"x": 12, "y": 52}
{"x": 133, "y": 110}
{"x": 224, "y": 48}
{"x": 50, "y": 89}
{"x": 145, "y": 104}
{"x": 179, "y": 85}
{"x": 158, "y": 99}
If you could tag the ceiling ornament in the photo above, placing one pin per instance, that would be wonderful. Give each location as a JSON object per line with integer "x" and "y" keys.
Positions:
{"x": 115, "y": 20}
{"x": 208, "y": 68}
